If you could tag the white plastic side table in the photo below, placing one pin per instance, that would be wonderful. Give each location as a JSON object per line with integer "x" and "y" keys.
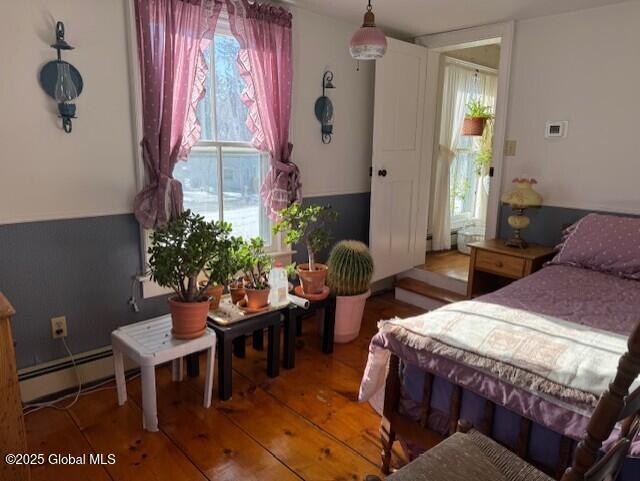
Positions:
{"x": 148, "y": 344}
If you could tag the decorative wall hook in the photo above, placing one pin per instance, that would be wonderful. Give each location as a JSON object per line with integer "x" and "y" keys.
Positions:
{"x": 62, "y": 81}
{"x": 324, "y": 108}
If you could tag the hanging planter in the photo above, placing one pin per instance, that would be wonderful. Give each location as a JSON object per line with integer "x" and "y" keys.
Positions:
{"x": 475, "y": 119}
{"x": 474, "y": 126}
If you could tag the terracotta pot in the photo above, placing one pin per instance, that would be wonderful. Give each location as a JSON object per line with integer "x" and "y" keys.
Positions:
{"x": 257, "y": 298}
{"x": 215, "y": 294}
{"x": 237, "y": 292}
{"x": 189, "y": 318}
{"x": 474, "y": 126}
{"x": 349, "y": 310}
{"x": 312, "y": 282}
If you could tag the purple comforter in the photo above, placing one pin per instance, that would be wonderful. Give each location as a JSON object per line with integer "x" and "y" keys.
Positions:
{"x": 577, "y": 295}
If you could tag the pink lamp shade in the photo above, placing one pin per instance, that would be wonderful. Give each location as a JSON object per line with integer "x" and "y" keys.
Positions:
{"x": 369, "y": 42}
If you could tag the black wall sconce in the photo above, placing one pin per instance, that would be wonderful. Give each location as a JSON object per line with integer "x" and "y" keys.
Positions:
{"x": 324, "y": 108}
{"x": 62, "y": 81}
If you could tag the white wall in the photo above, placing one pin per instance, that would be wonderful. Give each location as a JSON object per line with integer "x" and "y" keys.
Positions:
{"x": 47, "y": 174}
{"x": 582, "y": 67}
{"x": 341, "y": 167}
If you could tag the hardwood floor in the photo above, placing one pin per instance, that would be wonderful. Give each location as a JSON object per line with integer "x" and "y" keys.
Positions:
{"x": 305, "y": 424}
{"x": 448, "y": 263}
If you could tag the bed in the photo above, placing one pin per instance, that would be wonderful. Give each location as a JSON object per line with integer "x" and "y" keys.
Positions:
{"x": 524, "y": 364}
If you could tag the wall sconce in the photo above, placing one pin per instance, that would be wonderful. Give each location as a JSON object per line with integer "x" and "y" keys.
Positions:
{"x": 324, "y": 108}
{"x": 62, "y": 81}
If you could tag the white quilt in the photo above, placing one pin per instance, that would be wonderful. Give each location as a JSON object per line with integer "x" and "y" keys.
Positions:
{"x": 538, "y": 353}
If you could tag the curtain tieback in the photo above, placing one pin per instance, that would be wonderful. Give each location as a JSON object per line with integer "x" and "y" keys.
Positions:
{"x": 447, "y": 153}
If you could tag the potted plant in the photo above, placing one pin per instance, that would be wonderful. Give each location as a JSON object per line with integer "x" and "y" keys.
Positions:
{"x": 223, "y": 267}
{"x": 308, "y": 225}
{"x": 484, "y": 157}
{"x": 179, "y": 253}
{"x": 255, "y": 266}
{"x": 350, "y": 272}
{"x": 476, "y": 118}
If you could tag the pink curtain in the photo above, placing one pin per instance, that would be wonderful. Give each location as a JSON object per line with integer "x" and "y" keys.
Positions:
{"x": 264, "y": 34}
{"x": 172, "y": 35}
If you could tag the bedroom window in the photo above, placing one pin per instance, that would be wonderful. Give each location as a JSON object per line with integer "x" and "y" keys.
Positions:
{"x": 468, "y": 176}
{"x": 224, "y": 172}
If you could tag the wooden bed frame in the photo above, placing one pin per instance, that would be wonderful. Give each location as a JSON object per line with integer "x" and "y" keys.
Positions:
{"x": 396, "y": 424}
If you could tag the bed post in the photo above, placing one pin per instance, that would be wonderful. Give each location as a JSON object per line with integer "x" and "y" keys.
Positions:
{"x": 391, "y": 403}
{"x": 607, "y": 412}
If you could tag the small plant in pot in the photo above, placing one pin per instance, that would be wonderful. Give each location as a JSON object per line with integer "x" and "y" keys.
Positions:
{"x": 222, "y": 269}
{"x": 350, "y": 272}
{"x": 255, "y": 266}
{"x": 179, "y": 253}
{"x": 308, "y": 226}
{"x": 476, "y": 118}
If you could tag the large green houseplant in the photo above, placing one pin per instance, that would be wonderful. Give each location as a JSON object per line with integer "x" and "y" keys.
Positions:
{"x": 350, "y": 273}
{"x": 179, "y": 254}
{"x": 309, "y": 226}
{"x": 223, "y": 268}
{"x": 255, "y": 265}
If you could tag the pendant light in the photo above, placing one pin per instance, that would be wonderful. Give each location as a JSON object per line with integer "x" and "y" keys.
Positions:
{"x": 369, "y": 42}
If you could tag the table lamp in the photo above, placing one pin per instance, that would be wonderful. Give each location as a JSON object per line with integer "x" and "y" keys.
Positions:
{"x": 520, "y": 198}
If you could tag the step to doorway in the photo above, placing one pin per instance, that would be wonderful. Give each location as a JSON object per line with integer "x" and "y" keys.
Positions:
{"x": 435, "y": 279}
{"x": 426, "y": 296}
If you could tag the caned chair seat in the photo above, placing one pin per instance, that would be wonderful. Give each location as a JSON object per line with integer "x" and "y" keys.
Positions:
{"x": 467, "y": 457}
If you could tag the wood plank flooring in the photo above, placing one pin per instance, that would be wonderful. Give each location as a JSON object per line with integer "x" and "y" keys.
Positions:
{"x": 448, "y": 263}
{"x": 303, "y": 425}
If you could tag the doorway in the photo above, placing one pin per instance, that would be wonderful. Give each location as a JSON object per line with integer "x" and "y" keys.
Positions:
{"x": 472, "y": 78}
{"x": 460, "y": 177}
{"x": 406, "y": 141}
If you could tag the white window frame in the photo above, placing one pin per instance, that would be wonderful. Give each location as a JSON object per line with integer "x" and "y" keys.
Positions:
{"x": 277, "y": 249}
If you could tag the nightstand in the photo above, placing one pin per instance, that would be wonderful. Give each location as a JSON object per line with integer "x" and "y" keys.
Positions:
{"x": 494, "y": 265}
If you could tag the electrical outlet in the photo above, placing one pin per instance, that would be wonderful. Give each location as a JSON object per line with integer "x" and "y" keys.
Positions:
{"x": 59, "y": 327}
{"x": 510, "y": 148}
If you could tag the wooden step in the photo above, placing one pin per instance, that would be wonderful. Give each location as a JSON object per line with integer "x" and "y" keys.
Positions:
{"x": 424, "y": 289}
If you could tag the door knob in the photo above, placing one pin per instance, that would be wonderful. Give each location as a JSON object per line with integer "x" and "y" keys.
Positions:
{"x": 382, "y": 173}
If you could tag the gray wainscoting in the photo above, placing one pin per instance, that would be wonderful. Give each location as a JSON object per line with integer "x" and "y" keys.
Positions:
{"x": 83, "y": 269}
{"x": 78, "y": 268}
{"x": 353, "y": 222}
{"x": 547, "y": 223}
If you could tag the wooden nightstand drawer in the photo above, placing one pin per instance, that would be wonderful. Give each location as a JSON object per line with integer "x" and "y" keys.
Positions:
{"x": 494, "y": 265}
{"x": 500, "y": 264}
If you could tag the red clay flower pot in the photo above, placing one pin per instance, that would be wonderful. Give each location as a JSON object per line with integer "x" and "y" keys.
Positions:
{"x": 189, "y": 319}
{"x": 257, "y": 298}
{"x": 312, "y": 282}
{"x": 237, "y": 292}
{"x": 474, "y": 126}
{"x": 214, "y": 293}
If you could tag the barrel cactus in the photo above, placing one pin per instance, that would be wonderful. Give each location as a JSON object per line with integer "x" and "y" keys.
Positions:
{"x": 350, "y": 268}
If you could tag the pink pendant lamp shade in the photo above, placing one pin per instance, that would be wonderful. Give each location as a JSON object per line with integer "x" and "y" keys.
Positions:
{"x": 369, "y": 42}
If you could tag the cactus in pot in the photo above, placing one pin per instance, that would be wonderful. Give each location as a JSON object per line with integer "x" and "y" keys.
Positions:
{"x": 350, "y": 271}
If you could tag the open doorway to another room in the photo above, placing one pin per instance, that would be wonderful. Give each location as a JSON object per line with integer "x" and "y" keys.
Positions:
{"x": 463, "y": 154}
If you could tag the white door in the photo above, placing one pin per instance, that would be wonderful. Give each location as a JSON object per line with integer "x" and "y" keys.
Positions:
{"x": 399, "y": 178}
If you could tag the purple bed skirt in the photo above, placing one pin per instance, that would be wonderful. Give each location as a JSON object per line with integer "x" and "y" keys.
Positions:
{"x": 544, "y": 444}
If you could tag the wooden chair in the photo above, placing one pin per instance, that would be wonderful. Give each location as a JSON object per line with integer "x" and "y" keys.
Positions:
{"x": 470, "y": 455}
